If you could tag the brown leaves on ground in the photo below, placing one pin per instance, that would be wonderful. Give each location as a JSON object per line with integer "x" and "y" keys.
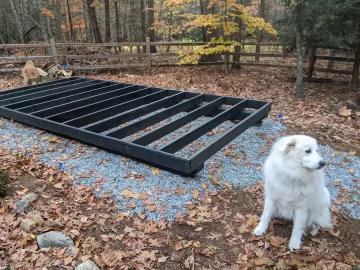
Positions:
{"x": 216, "y": 233}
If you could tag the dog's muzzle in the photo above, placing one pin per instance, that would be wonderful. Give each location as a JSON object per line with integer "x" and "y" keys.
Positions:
{"x": 321, "y": 164}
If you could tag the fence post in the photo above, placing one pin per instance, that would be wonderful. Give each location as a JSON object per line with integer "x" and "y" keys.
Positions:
{"x": 312, "y": 62}
{"x": 257, "y": 56}
{"x": 331, "y": 62}
{"x": 227, "y": 60}
{"x": 148, "y": 54}
{"x": 53, "y": 51}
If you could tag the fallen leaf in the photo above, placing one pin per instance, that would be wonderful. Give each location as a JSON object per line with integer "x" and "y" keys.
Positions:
{"x": 46, "y": 196}
{"x": 22, "y": 192}
{"x": 162, "y": 259}
{"x": 195, "y": 193}
{"x": 155, "y": 171}
{"x": 204, "y": 185}
{"x": 353, "y": 153}
{"x": 337, "y": 202}
{"x": 335, "y": 209}
{"x": 151, "y": 208}
{"x": 83, "y": 219}
{"x": 214, "y": 236}
{"x": 128, "y": 194}
{"x": 352, "y": 171}
{"x": 123, "y": 216}
{"x": 54, "y": 140}
{"x": 229, "y": 186}
{"x": 58, "y": 185}
{"x": 190, "y": 223}
{"x": 263, "y": 261}
{"x": 199, "y": 229}
{"x": 196, "y": 244}
{"x": 68, "y": 260}
{"x": 180, "y": 191}
{"x": 277, "y": 241}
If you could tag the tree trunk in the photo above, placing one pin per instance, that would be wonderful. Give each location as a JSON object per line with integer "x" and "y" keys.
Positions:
{"x": 93, "y": 21}
{"x": 86, "y": 20}
{"x": 107, "y": 20}
{"x": 57, "y": 18}
{"x": 299, "y": 57}
{"x": 72, "y": 34}
{"x": 143, "y": 24}
{"x": 170, "y": 28}
{"x": 311, "y": 63}
{"x": 17, "y": 20}
{"x": 132, "y": 26}
{"x": 238, "y": 38}
{"x": 260, "y": 33}
{"x": 203, "y": 12}
{"x": 355, "y": 76}
{"x": 151, "y": 17}
{"x": 42, "y": 23}
{"x": 117, "y": 22}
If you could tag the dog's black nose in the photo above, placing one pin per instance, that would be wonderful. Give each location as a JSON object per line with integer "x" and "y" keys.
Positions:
{"x": 322, "y": 164}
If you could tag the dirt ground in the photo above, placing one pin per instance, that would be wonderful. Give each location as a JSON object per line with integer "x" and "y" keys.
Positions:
{"x": 216, "y": 233}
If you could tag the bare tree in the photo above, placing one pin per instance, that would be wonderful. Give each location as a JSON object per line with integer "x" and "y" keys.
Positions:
{"x": 117, "y": 22}
{"x": 72, "y": 34}
{"x": 57, "y": 17}
{"x": 151, "y": 17}
{"x": 93, "y": 21}
{"x": 107, "y": 20}
{"x": 42, "y": 21}
{"x": 17, "y": 20}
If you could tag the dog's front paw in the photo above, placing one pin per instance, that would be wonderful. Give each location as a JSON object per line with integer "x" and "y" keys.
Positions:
{"x": 260, "y": 230}
{"x": 294, "y": 243}
{"x": 315, "y": 230}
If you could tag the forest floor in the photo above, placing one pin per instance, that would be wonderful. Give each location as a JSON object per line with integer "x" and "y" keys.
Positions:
{"x": 216, "y": 231}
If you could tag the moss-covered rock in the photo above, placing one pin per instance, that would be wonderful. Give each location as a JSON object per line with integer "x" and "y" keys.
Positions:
{"x": 4, "y": 183}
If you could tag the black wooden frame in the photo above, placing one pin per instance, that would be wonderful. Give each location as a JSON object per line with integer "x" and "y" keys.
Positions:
{"x": 86, "y": 109}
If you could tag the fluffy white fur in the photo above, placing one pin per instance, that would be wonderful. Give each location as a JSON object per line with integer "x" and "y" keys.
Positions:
{"x": 294, "y": 187}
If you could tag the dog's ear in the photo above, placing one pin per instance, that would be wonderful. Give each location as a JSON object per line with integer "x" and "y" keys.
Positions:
{"x": 286, "y": 147}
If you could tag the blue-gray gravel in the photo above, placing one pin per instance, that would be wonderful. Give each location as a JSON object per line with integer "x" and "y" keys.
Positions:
{"x": 239, "y": 166}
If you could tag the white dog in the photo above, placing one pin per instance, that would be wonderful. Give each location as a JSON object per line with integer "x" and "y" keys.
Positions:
{"x": 294, "y": 187}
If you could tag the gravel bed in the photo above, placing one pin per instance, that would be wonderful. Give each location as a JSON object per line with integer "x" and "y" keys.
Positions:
{"x": 238, "y": 164}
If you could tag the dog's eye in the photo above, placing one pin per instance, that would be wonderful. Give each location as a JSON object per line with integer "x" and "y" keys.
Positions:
{"x": 308, "y": 151}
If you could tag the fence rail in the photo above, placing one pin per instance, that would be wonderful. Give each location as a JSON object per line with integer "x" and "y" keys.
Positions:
{"x": 143, "y": 51}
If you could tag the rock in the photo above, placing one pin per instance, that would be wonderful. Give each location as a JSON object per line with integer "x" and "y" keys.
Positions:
{"x": 54, "y": 239}
{"x": 27, "y": 224}
{"x": 24, "y": 205}
{"x": 87, "y": 265}
{"x": 4, "y": 183}
{"x": 35, "y": 216}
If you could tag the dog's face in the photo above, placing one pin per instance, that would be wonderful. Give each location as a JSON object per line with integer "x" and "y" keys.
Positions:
{"x": 305, "y": 150}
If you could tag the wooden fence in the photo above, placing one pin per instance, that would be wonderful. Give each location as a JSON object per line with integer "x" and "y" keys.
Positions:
{"x": 54, "y": 52}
